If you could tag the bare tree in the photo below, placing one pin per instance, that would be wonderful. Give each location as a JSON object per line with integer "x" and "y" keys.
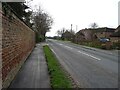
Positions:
{"x": 42, "y": 22}
{"x": 94, "y": 25}
{"x": 63, "y": 30}
{"x": 58, "y": 33}
{"x": 72, "y": 32}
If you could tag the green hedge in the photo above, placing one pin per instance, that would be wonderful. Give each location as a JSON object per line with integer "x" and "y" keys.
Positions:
{"x": 39, "y": 38}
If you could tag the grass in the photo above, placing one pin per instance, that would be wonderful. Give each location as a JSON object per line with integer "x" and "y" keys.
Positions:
{"x": 58, "y": 77}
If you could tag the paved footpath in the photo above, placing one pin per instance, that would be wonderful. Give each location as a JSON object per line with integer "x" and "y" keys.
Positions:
{"x": 34, "y": 73}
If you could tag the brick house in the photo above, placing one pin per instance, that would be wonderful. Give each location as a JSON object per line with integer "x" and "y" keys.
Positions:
{"x": 104, "y": 32}
{"x": 93, "y": 34}
{"x": 85, "y": 35}
{"x": 79, "y": 36}
{"x": 115, "y": 37}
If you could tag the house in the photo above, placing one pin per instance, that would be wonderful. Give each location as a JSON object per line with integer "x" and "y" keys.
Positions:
{"x": 89, "y": 34}
{"x": 93, "y": 34}
{"x": 67, "y": 35}
{"x": 85, "y": 35}
{"x": 79, "y": 36}
{"x": 115, "y": 37}
{"x": 104, "y": 32}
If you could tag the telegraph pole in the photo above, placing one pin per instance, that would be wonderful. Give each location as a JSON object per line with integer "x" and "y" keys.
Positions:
{"x": 71, "y": 33}
{"x": 71, "y": 27}
{"x": 118, "y": 13}
{"x": 76, "y": 28}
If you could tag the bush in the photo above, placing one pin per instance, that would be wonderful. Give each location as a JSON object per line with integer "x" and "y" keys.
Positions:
{"x": 95, "y": 44}
{"x": 116, "y": 45}
{"x": 39, "y": 38}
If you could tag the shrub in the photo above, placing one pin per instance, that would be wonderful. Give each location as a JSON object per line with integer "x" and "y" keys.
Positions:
{"x": 116, "y": 45}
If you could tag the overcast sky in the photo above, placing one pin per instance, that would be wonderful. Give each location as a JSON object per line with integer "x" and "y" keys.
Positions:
{"x": 79, "y": 12}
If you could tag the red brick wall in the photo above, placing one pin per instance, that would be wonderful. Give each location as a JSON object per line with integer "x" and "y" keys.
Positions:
{"x": 17, "y": 41}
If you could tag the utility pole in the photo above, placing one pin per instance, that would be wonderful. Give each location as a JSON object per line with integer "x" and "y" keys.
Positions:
{"x": 71, "y": 32}
{"x": 71, "y": 27}
{"x": 118, "y": 13}
{"x": 105, "y": 31}
{"x": 76, "y": 28}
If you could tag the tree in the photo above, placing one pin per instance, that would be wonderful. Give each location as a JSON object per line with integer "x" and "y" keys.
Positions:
{"x": 19, "y": 8}
{"x": 58, "y": 33}
{"x": 68, "y": 35}
{"x": 93, "y": 25}
{"x": 42, "y": 23}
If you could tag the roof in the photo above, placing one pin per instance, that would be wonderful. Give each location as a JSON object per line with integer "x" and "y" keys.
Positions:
{"x": 118, "y": 27}
{"x": 80, "y": 33}
{"x": 105, "y": 29}
{"x": 117, "y": 32}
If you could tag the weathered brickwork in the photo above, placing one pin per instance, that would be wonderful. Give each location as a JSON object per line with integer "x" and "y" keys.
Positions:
{"x": 18, "y": 40}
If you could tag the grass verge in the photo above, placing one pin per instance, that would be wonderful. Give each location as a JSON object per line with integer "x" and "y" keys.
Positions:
{"x": 58, "y": 77}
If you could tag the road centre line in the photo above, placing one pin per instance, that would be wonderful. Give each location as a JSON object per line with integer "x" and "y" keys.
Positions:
{"x": 68, "y": 47}
{"x": 60, "y": 44}
{"x": 111, "y": 53}
{"x": 89, "y": 55}
{"x": 81, "y": 53}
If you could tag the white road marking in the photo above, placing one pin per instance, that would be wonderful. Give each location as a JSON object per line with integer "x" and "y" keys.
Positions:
{"x": 111, "y": 53}
{"x": 89, "y": 55}
{"x": 60, "y": 44}
{"x": 53, "y": 51}
{"x": 68, "y": 47}
{"x": 79, "y": 52}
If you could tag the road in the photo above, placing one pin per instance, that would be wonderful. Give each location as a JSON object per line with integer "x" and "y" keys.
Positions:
{"x": 89, "y": 67}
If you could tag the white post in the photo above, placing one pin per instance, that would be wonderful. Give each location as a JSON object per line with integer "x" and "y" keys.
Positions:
{"x": 0, "y": 45}
{"x": 118, "y": 13}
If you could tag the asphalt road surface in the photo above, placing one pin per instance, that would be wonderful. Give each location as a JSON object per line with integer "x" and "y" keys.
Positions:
{"x": 89, "y": 67}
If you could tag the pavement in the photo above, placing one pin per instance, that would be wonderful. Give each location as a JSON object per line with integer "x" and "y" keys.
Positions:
{"x": 34, "y": 72}
{"x": 89, "y": 67}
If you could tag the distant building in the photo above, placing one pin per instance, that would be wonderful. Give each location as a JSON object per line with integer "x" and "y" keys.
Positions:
{"x": 93, "y": 34}
{"x": 104, "y": 32}
{"x": 67, "y": 35}
{"x": 79, "y": 36}
{"x": 85, "y": 35}
{"x": 115, "y": 37}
